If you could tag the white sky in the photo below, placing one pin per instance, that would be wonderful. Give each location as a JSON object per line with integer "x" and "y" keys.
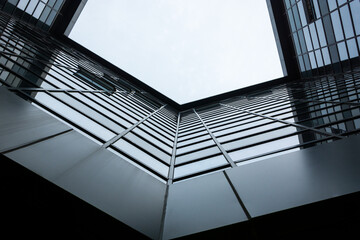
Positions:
{"x": 185, "y": 49}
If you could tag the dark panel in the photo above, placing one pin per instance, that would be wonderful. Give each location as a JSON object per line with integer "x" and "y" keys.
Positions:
{"x": 53, "y": 157}
{"x": 299, "y": 178}
{"x": 200, "y": 204}
{"x": 118, "y": 188}
{"x": 34, "y": 208}
{"x": 22, "y": 123}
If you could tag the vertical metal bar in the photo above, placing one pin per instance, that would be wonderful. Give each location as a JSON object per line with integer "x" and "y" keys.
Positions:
{"x": 221, "y": 148}
{"x": 170, "y": 178}
{"x": 116, "y": 138}
{"x": 173, "y": 155}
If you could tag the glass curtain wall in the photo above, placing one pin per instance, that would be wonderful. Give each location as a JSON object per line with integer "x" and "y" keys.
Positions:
{"x": 325, "y": 33}
{"x": 169, "y": 144}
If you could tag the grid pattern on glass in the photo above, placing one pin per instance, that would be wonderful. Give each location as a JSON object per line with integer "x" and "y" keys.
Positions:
{"x": 325, "y": 34}
{"x": 41, "y": 13}
{"x": 171, "y": 145}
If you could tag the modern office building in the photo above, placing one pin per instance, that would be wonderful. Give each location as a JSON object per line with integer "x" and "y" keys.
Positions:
{"x": 90, "y": 151}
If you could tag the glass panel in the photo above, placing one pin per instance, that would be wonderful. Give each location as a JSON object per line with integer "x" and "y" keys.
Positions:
{"x": 291, "y": 19}
{"x": 308, "y": 39}
{"x": 297, "y": 44}
{"x": 341, "y": 2}
{"x": 301, "y": 62}
{"x": 152, "y": 132}
{"x": 264, "y": 148}
{"x": 268, "y": 156}
{"x": 346, "y": 20}
{"x": 353, "y": 52}
{"x": 307, "y": 61}
{"x": 200, "y": 166}
{"x": 51, "y": 18}
{"x": 196, "y": 155}
{"x": 258, "y": 138}
{"x": 75, "y": 116}
{"x": 30, "y": 8}
{"x": 326, "y": 55}
{"x": 342, "y": 51}
{"x": 142, "y": 157}
{"x": 323, "y": 7}
{"x": 355, "y": 10}
{"x": 321, "y": 33}
{"x": 329, "y": 30}
{"x": 154, "y": 140}
{"x": 337, "y": 26}
{"x": 296, "y": 17}
{"x": 22, "y": 4}
{"x": 249, "y": 132}
{"x": 39, "y": 10}
{"x": 58, "y": 4}
{"x": 312, "y": 60}
{"x": 148, "y": 147}
{"x": 314, "y": 37}
{"x": 317, "y": 9}
{"x": 332, "y": 4}
{"x": 195, "y": 146}
{"x": 45, "y": 14}
{"x": 194, "y": 140}
{"x": 334, "y": 54}
{"x": 302, "y": 41}
{"x": 89, "y": 112}
{"x": 302, "y": 13}
{"x": 319, "y": 58}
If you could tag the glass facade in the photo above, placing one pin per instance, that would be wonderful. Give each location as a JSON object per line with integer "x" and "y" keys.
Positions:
{"x": 41, "y": 13}
{"x": 169, "y": 170}
{"x": 325, "y": 34}
{"x": 175, "y": 145}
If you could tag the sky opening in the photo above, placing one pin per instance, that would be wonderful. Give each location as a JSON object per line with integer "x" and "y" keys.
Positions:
{"x": 185, "y": 49}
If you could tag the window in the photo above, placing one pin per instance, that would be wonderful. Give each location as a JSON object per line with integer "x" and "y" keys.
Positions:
{"x": 309, "y": 10}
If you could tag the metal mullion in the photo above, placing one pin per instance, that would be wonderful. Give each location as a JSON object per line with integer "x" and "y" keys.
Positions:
{"x": 222, "y": 150}
{"x": 286, "y": 122}
{"x": 160, "y": 128}
{"x": 116, "y": 138}
{"x": 173, "y": 154}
